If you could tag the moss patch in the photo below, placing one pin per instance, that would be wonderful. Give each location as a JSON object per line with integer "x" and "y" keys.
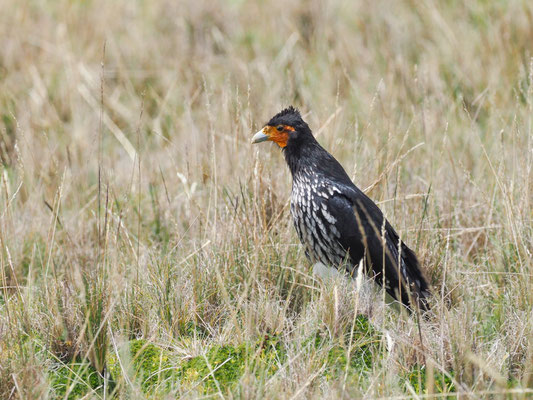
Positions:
{"x": 418, "y": 379}
{"x": 74, "y": 380}
{"x": 355, "y": 358}
{"x": 156, "y": 370}
{"x": 223, "y": 366}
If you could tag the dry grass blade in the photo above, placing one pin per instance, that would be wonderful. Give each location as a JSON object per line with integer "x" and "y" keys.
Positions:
{"x": 147, "y": 250}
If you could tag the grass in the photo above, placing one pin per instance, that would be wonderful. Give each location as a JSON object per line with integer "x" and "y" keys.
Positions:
{"x": 146, "y": 247}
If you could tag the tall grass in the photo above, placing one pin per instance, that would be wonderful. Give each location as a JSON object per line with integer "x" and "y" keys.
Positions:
{"x": 132, "y": 205}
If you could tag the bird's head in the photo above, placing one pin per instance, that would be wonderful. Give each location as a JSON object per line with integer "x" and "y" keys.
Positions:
{"x": 287, "y": 129}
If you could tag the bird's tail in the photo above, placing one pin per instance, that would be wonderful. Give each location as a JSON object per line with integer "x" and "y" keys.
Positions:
{"x": 418, "y": 288}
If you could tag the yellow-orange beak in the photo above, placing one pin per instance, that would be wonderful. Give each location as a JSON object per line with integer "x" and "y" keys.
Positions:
{"x": 280, "y": 137}
{"x": 260, "y": 136}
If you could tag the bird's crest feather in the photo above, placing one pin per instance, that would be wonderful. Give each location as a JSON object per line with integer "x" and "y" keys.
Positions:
{"x": 288, "y": 116}
{"x": 287, "y": 111}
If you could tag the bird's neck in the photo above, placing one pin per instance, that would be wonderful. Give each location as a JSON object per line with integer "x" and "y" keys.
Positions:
{"x": 310, "y": 158}
{"x": 304, "y": 156}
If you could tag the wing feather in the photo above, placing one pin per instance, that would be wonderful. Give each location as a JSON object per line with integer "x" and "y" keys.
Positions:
{"x": 364, "y": 232}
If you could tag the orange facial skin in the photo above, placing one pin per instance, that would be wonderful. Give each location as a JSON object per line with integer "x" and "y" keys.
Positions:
{"x": 277, "y": 136}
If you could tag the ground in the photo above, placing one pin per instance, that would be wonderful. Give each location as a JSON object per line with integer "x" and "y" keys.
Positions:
{"x": 146, "y": 247}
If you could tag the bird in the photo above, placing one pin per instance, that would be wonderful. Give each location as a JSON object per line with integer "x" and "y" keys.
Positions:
{"x": 338, "y": 225}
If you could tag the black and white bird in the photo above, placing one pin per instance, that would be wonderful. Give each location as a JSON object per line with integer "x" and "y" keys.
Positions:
{"x": 336, "y": 222}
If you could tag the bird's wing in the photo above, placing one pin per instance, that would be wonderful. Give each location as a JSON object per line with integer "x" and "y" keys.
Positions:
{"x": 364, "y": 232}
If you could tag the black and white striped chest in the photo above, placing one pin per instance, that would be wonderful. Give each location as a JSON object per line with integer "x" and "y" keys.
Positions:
{"x": 313, "y": 219}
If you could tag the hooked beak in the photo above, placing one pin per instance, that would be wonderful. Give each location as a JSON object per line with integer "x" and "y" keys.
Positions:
{"x": 260, "y": 136}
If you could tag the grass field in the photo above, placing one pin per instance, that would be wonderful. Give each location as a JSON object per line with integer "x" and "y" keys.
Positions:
{"x": 146, "y": 247}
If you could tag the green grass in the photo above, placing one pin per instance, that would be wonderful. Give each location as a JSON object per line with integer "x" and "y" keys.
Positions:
{"x": 156, "y": 371}
{"x": 147, "y": 249}
{"x": 74, "y": 380}
{"x": 442, "y": 383}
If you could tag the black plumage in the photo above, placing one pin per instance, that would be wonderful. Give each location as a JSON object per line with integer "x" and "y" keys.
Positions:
{"x": 336, "y": 222}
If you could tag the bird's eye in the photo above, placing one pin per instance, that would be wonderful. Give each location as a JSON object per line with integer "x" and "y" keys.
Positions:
{"x": 280, "y": 127}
